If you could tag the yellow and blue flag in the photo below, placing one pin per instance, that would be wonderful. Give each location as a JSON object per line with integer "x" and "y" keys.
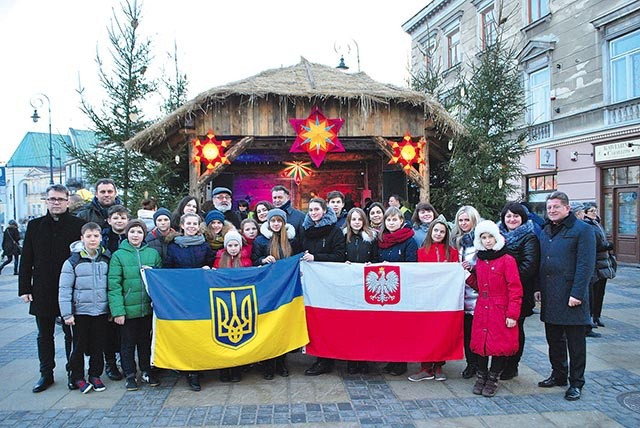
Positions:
{"x": 209, "y": 319}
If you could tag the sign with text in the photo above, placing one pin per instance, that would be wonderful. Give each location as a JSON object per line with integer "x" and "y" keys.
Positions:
{"x": 617, "y": 151}
{"x": 546, "y": 158}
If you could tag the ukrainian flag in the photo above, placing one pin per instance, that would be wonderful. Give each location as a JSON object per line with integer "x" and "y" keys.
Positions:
{"x": 209, "y": 319}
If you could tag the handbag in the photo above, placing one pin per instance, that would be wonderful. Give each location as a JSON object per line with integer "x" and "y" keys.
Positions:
{"x": 18, "y": 249}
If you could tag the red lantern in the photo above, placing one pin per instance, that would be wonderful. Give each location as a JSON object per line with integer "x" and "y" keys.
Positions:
{"x": 406, "y": 152}
{"x": 317, "y": 136}
{"x": 210, "y": 151}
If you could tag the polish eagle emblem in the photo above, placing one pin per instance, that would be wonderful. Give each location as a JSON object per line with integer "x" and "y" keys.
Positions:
{"x": 382, "y": 285}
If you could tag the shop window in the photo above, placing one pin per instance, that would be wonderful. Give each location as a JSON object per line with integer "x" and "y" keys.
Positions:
{"x": 607, "y": 213}
{"x": 538, "y": 188}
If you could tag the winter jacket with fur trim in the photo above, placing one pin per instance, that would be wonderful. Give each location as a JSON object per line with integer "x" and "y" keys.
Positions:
{"x": 127, "y": 295}
{"x": 83, "y": 283}
{"x": 362, "y": 248}
{"x": 262, "y": 243}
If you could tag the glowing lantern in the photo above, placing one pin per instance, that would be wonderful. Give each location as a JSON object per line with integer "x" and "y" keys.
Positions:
{"x": 297, "y": 170}
{"x": 406, "y": 152}
{"x": 317, "y": 136}
{"x": 210, "y": 151}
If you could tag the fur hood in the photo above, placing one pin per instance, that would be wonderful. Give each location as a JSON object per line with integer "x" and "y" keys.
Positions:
{"x": 365, "y": 237}
{"x": 268, "y": 233}
{"x": 487, "y": 226}
{"x": 327, "y": 219}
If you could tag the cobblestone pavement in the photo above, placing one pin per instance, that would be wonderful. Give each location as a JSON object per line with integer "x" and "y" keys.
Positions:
{"x": 611, "y": 396}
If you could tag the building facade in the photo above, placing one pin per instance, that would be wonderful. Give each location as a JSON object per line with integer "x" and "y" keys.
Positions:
{"x": 580, "y": 63}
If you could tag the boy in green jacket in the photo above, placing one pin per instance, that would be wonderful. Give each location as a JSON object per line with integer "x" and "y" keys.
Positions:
{"x": 129, "y": 303}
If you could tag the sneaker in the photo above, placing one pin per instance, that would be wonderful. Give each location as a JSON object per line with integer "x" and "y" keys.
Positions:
{"x": 83, "y": 386}
{"x": 131, "y": 384}
{"x": 97, "y": 384}
{"x": 439, "y": 374}
{"x": 150, "y": 379}
{"x": 424, "y": 374}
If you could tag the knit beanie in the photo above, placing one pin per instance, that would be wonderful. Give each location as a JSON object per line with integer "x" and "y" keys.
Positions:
{"x": 487, "y": 226}
{"x": 276, "y": 212}
{"x": 159, "y": 212}
{"x": 214, "y": 215}
{"x": 232, "y": 235}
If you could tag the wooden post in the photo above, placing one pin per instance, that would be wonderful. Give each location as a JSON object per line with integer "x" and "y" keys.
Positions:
{"x": 424, "y": 170}
{"x": 194, "y": 171}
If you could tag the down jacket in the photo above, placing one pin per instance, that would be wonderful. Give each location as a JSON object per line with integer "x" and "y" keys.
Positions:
{"x": 127, "y": 295}
{"x": 192, "y": 256}
{"x": 83, "y": 283}
{"x": 567, "y": 263}
{"x": 603, "y": 246}
{"x": 362, "y": 248}
{"x": 499, "y": 297}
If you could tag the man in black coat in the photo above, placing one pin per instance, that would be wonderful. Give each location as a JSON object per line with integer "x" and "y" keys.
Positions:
{"x": 46, "y": 247}
{"x": 280, "y": 199}
{"x": 97, "y": 210}
{"x": 567, "y": 260}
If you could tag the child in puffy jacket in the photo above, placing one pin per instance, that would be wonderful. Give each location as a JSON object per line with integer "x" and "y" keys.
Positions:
{"x": 82, "y": 296}
{"x": 494, "y": 331}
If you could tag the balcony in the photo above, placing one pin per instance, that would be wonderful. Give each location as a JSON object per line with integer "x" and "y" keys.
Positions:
{"x": 540, "y": 132}
{"x": 620, "y": 113}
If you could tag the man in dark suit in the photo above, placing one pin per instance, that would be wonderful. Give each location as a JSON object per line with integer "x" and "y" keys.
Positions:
{"x": 46, "y": 247}
{"x": 567, "y": 260}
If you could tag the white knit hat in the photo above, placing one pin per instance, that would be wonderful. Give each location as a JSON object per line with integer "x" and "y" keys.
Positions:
{"x": 232, "y": 235}
{"x": 487, "y": 226}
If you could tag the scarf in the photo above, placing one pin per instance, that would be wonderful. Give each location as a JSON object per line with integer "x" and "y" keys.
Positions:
{"x": 491, "y": 255}
{"x": 515, "y": 235}
{"x": 189, "y": 241}
{"x": 389, "y": 239}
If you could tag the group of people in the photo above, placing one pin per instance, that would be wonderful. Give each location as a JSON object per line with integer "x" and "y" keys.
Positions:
{"x": 94, "y": 283}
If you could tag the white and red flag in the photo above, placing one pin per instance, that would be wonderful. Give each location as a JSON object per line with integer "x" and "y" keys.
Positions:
{"x": 384, "y": 312}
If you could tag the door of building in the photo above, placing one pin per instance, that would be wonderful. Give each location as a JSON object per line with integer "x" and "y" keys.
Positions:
{"x": 625, "y": 219}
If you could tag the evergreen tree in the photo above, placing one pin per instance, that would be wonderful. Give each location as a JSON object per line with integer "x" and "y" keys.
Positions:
{"x": 119, "y": 116}
{"x": 485, "y": 163}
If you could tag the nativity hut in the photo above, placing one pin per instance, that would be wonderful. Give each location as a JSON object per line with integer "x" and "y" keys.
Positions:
{"x": 240, "y": 136}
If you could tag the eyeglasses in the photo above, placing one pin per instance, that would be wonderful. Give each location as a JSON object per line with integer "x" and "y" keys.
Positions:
{"x": 56, "y": 200}
{"x": 223, "y": 197}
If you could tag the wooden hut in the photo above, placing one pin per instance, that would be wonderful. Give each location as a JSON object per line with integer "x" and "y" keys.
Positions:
{"x": 254, "y": 113}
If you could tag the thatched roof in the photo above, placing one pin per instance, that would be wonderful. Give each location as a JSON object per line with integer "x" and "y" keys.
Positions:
{"x": 303, "y": 80}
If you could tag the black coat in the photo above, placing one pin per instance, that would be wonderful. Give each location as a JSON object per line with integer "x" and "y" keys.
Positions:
{"x": 526, "y": 251}
{"x": 10, "y": 241}
{"x": 567, "y": 262}
{"x": 360, "y": 250}
{"x": 326, "y": 243}
{"x": 45, "y": 249}
{"x": 96, "y": 213}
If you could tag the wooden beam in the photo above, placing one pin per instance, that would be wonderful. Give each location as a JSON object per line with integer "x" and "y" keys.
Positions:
{"x": 235, "y": 151}
{"x": 414, "y": 175}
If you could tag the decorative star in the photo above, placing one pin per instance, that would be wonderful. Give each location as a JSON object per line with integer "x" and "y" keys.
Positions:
{"x": 210, "y": 151}
{"x": 317, "y": 136}
{"x": 406, "y": 152}
{"x": 297, "y": 170}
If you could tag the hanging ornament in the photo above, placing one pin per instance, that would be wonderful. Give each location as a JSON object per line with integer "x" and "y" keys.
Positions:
{"x": 210, "y": 151}
{"x": 297, "y": 170}
{"x": 317, "y": 136}
{"x": 406, "y": 152}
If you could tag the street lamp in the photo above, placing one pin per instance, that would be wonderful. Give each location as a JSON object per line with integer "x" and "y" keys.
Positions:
{"x": 37, "y": 101}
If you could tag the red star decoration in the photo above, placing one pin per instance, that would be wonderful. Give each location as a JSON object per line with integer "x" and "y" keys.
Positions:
{"x": 210, "y": 151}
{"x": 406, "y": 152}
{"x": 317, "y": 136}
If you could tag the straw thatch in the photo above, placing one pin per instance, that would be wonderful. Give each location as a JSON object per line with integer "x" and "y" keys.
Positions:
{"x": 303, "y": 80}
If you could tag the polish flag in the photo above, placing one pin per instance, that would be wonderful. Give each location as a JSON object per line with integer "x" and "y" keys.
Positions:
{"x": 403, "y": 312}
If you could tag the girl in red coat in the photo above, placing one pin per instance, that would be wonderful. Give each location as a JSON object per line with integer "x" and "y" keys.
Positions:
{"x": 435, "y": 249}
{"x": 249, "y": 232}
{"x": 231, "y": 255}
{"x": 494, "y": 333}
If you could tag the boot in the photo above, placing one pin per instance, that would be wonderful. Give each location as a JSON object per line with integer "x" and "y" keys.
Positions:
{"x": 481, "y": 380}
{"x": 193, "y": 379}
{"x": 281, "y": 366}
{"x": 491, "y": 385}
{"x": 269, "y": 368}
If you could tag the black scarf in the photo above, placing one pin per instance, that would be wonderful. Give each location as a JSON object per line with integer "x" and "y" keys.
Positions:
{"x": 491, "y": 254}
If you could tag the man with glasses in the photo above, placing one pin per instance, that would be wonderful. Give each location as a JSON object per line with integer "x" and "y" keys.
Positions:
{"x": 221, "y": 198}
{"x": 46, "y": 247}
{"x": 106, "y": 196}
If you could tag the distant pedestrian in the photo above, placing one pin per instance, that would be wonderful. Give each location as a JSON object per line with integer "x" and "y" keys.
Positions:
{"x": 11, "y": 248}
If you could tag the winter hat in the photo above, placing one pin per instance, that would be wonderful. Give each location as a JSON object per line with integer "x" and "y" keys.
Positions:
{"x": 214, "y": 215}
{"x": 487, "y": 226}
{"x": 576, "y": 206}
{"x": 589, "y": 205}
{"x": 159, "y": 212}
{"x": 232, "y": 235}
{"x": 218, "y": 190}
{"x": 276, "y": 212}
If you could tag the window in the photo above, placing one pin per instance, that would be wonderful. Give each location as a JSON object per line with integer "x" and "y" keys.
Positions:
{"x": 454, "y": 54}
{"x": 539, "y": 96}
{"x": 624, "y": 55}
{"x": 429, "y": 47}
{"x": 536, "y": 9}
{"x": 538, "y": 188}
{"x": 488, "y": 29}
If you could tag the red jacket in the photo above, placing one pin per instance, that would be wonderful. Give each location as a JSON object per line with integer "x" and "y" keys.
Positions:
{"x": 244, "y": 261}
{"x": 436, "y": 253}
{"x": 499, "y": 297}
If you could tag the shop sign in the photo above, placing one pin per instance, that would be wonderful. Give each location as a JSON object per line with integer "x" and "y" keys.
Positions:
{"x": 617, "y": 151}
